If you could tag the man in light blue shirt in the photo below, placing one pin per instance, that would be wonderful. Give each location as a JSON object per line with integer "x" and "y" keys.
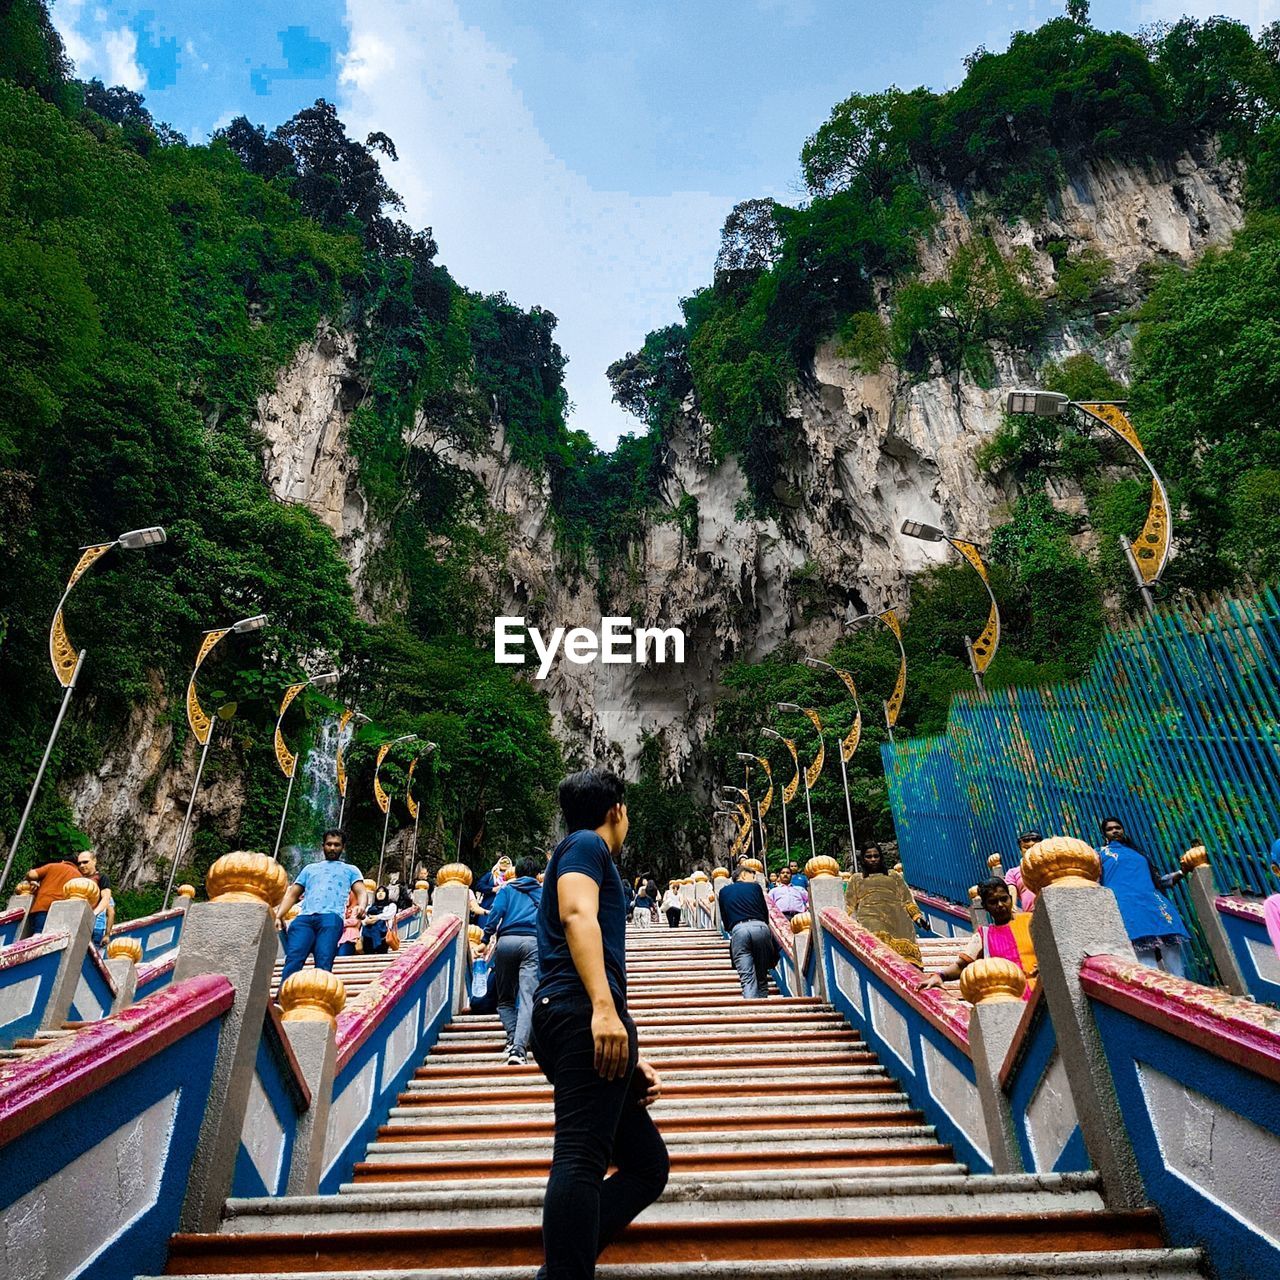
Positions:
{"x": 324, "y": 888}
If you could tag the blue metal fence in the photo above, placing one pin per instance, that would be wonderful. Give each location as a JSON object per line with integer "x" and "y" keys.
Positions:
{"x": 1176, "y": 730}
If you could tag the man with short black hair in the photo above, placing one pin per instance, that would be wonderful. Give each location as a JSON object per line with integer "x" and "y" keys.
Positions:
{"x": 745, "y": 917}
{"x": 324, "y": 888}
{"x": 585, "y": 1041}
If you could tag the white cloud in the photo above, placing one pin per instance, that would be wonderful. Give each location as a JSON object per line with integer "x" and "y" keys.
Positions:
{"x": 111, "y": 55}
{"x": 508, "y": 214}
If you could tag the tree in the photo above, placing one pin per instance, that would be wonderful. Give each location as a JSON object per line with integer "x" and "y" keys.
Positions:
{"x": 875, "y": 137}
{"x": 1078, "y": 12}
{"x": 751, "y": 239}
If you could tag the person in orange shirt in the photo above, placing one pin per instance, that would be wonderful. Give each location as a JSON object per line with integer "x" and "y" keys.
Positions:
{"x": 50, "y": 880}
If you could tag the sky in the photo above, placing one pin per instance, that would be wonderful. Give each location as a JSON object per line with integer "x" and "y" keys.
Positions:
{"x": 579, "y": 155}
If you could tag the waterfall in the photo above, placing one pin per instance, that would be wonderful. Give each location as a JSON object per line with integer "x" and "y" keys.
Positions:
{"x": 317, "y": 797}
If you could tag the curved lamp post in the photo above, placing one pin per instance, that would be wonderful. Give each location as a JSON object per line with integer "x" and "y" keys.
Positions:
{"x": 743, "y": 808}
{"x": 788, "y": 792}
{"x": 848, "y": 745}
{"x": 1148, "y": 553}
{"x": 379, "y": 795}
{"x": 411, "y": 803}
{"x": 814, "y": 770}
{"x": 285, "y": 758}
{"x": 339, "y": 761}
{"x": 762, "y": 806}
{"x": 893, "y": 707}
{"x": 202, "y": 725}
{"x": 982, "y": 650}
{"x": 67, "y": 661}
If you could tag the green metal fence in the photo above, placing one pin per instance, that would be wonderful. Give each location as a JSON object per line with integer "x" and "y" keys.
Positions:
{"x": 1176, "y": 730}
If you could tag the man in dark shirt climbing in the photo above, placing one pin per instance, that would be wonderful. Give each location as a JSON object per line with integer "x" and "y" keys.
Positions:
{"x": 585, "y": 1041}
{"x": 745, "y": 918}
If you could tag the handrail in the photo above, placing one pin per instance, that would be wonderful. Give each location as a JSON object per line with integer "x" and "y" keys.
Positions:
{"x": 1244, "y": 908}
{"x": 294, "y": 1079}
{"x": 103, "y": 971}
{"x": 148, "y": 973}
{"x": 355, "y": 1026}
{"x": 942, "y": 1010}
{"x": 8, "y": 917}
{"x": 141, "y": 922}
{"x": 1020, "y": 1034}
{"x": 781, "y": 927}
{"x": 1236, "y": 1030}
{"x": 32, "y": 948}
{"x": 944, "y": 905}
{"x": 34, "y": 1088}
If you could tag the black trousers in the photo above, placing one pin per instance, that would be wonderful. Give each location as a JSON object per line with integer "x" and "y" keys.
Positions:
{"x": 598, "y": 1122}
{"x": 673, "y": 917}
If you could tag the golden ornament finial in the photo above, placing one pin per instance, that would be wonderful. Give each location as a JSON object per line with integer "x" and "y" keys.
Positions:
{"x": 994, "y": 862}
{"x": 312, "y": 995}
{"x": 453, "y": 873}
{"x": 186, "y": 891}
{"x": 1061, "y": 860}
{"x": 822, "y": 865}
{"x": 699, "y": 877}
{"x": 719, "y": 873}
{"x": 992, "y": 981}
{"x": 293, "y": 911}
{"x": 244, "y": 876}
{"x": 125, "y": 949}
{"x": 475, "y": 934}
{"x": 754, "y": 864}
{"x": 422, "y": 884}
{"x": 1196, "y": 856}
{"x": 369, "y": 884}
{"x": 801, "y": 921}
{"x": 24, "y": 889}
{"x": 84, "y": 888}
{"x": 974, "y": 895}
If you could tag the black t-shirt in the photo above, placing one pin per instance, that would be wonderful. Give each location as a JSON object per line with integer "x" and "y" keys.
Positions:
{"x": 104, "y": 883}
{"x": 742, "y": 900}
{"x": 586, "y": 853}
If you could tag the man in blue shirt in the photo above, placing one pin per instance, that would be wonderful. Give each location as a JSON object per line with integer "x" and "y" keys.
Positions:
{"x": 798, "y": 877}
{"x": 324, "y": 888}
{"x": 745, "y": 918}
{"x": 585, "y": 1041}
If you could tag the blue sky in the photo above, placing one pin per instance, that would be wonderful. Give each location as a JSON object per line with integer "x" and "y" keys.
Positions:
{"x": 577, "y": 154}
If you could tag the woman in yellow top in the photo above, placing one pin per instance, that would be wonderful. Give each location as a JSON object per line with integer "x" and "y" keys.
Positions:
{"x": 882, "y": 904}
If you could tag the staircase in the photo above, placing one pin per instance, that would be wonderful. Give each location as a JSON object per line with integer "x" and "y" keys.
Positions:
{"x": 793, "y": 1154}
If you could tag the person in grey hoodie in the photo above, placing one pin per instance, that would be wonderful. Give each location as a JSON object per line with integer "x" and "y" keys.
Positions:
{"x": 513, "y": 921}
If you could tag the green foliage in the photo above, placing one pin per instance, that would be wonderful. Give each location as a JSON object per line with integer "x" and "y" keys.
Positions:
{"x": 668, "y": 829}
{"x": 863, "y": 340}
{"x": 949, "y": 325}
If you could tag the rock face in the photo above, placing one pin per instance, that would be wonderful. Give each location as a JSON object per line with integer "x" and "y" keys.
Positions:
{"x": 866, "y": 452}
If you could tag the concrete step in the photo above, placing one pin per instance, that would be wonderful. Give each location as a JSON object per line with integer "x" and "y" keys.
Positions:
{"x": 479, "y": 1073}
{"x": 743, "y": 1238}
{"x": 1110, "y": 1264}
{"x": 688, "y": 1198}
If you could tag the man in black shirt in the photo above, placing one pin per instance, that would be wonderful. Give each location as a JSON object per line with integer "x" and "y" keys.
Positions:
{"x": 746, "y": 920}
{"x": 585, "y": 1041}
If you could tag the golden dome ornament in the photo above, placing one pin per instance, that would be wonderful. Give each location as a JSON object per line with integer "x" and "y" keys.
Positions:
{"x": 422, "y": 885}
{"x": 719, "y": 873}
{"x": 992, "y": 981}
{"x": 822, "y": 865}
{"x": 475, "y": 934}
{"x": 24, "y": 889}
{"x": 801, "y": 921}
{"x": 187, "y": 891}
{"x": 125, "y": 949}
{"x": 312, "y": 995}
{"x": 83, "y": 888}
{"x": 1196, "y": 856}
{"x": 1060, "y": 860}
{"x": 244, "y": 876}
{"x": 453, "y": 873}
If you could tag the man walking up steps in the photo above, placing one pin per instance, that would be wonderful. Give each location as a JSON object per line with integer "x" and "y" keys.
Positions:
{"x": 585, "y": 1041}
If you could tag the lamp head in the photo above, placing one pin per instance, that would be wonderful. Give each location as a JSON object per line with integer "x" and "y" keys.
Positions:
{"x": 924, "y": 532}
{"x": 429, "y": 747}
{"x": 771, "y": 733}
{"x": 324, "y": 679}
{"x": 786, "y": 706}
{"x": 139, "y": 539}
{"x": 360, "y": 718}
{"x": 816, "y": 664}
{"x": 745, "y": 755}
{"x": 406, "y": 737}
{"x": 1044, "y": 404}
{"x": 256, "y": 623}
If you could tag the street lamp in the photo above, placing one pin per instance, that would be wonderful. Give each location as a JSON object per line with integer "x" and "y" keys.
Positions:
{"x": 411, "y": 804}
{"x": 893, "y": 707}
{"x": 981, "y": 651}
{"x": 339, "y": 759}
{"x": 67, "y": 662}
{"x": 202, "y": 726}
{"x": 1148, "y": 553}
{"x": 848, "y": 745}
{"x": 285, "y": 758}
{"x": 384, "y": 800}
{"x": 788, "y": 793}
{"x": 814, "y": 770}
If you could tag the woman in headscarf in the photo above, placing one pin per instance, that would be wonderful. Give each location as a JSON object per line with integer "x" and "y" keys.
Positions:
{"x": 882, "y": 904}
{"x": 373, "y": 932}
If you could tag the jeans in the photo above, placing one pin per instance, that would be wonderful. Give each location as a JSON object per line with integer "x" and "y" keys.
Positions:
{"x": 99, "y": 928}
{"x": 318, "y": 934}
{"x": 1161, "y": 953}
{"x": 751, "y": 948}
{"x": 598, "y": 1122}
{"x": 515, "y": 975}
